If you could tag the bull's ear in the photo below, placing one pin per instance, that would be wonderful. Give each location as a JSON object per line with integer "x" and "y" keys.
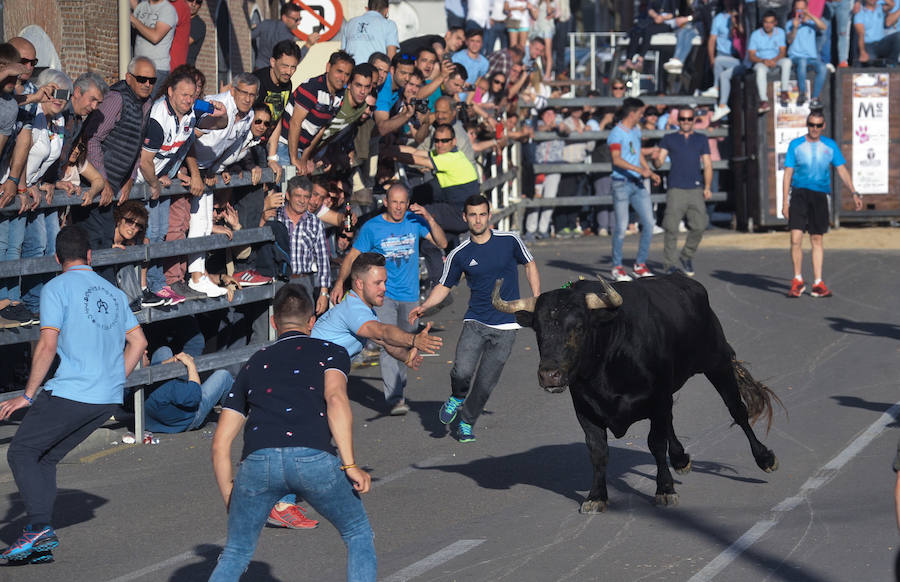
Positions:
{"x": 524, "y": 318}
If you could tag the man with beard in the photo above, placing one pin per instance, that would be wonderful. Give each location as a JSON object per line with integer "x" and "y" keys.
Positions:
{"x": 488, "y": 336}
{"x": 275, "y": 90}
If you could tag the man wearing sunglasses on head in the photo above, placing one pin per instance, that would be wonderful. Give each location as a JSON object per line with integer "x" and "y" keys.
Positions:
{"x": 807, "y": 178}
{"x": 687, "y": 150}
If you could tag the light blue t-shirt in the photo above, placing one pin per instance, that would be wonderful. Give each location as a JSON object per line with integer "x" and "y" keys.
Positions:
{"x": 872, "y": 21}
{"x": 92, "y": 317}
{"x": 804, "y": 45}
{"x": 628, "y": 142}
{"x": 387, "y": 96}
{"x": 896, "y": 27}
{"x": 399, "y": 243}
{"x": 366, "y": 34}
{"x": 720, "y": 28}
{"x": 340, "y": 323}
{"x": 811, "y": 161}
{"x": 767, "y": 46}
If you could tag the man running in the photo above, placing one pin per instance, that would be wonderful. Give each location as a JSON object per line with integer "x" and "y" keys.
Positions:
{"x": 488, "y": 336}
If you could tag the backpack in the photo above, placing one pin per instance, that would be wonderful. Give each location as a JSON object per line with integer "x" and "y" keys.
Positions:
{"x": 273, "y": 259}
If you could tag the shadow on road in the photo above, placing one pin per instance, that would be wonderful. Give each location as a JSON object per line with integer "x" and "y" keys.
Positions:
{"x": 777, "y": 285}
{"x": 869, "y": 328}
{"x": 256, "y": 571}
{"x": 72, "y": 506}
{"x": 856, "y": 402}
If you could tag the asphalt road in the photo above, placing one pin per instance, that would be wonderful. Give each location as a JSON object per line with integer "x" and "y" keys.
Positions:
{"x": 504, "y": 508}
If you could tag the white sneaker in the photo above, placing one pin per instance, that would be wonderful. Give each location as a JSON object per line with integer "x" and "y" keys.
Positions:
{"x": 711, "y": 92}
{"x": 657, "y": 229}
{"x": 682, "y": 227}
{"x": 204, "y": 285}
{"x": 830, "y": 68}
{"x": 673, "y": 66}
{"x": 620, "y": 274}
{"x": 720, "y": 112}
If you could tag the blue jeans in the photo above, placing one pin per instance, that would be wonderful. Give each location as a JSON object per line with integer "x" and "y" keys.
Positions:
{"x": 157, "y": 227}
{"x": 723, "y": 68}
{"x": 624, "y": 193}
{"x": 496, "y": 31}
{"x": 821, "y": 73}
{"x": 264, "y": 477}
{"x": 837, "y": 14}
{"x": 455, "y": 20}
{"x": 12, "y": 235}
{"x": 40, "y": 240}
{"x": 212, "y": 391}
{"x": 684, "y": 36}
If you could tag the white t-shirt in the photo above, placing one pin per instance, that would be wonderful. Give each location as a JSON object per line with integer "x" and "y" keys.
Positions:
{"x": 479, "y": 12}
{"x": 46, "y": 145}
{"x": 210, "y": 146}
{"x": 149, "y": 14}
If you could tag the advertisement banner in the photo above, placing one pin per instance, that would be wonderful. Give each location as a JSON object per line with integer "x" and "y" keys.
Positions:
{"x": 790, "y": 123}
{"x": 871, "y": 142}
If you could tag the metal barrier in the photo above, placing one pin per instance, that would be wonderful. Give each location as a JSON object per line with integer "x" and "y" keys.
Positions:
{"x": 142, "y": 377}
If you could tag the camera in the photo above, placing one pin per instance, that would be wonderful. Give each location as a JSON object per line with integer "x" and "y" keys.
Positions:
{"x": 421, "y": 105}
{"x": 62, "y": 94}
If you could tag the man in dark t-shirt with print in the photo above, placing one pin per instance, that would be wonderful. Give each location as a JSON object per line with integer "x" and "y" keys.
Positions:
{"x": 275, "y": 89}
{"x": 291, "y": 400}
{"x": 488, "y": 335}
{"x": 687, "y": 195}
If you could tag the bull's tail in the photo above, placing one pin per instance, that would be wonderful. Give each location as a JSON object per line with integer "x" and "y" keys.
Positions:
{"x": 757, "y": 396}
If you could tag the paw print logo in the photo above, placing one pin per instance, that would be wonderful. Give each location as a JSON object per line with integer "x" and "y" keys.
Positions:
{"x": 863, "y": 134}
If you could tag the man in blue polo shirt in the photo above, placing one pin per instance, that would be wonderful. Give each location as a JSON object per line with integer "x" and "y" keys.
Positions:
{"x": 629, "y": 170}
{"x": 476, "y": 64}
{"x": 488, "y": 335}
{"x": 807, "y": 177}
{"x": 86, "y": 321}
{"x": 395, "y": 234}
{"x": 688, "y": 151}
{"x": 874, "y": 24}
{"x": 767, "y": 49}
{"x": 801, "y": 36}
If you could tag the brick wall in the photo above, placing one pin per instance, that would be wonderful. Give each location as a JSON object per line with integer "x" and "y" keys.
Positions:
{"x": 85, "y": 34}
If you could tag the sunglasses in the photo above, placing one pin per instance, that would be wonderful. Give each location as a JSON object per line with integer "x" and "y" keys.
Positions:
{"x": 143, "y": 80}
{"x": 499, "y": 81}
{"x": 816, "y": 125}
{"x": 685, "y": 119}
{"x": 443, "y": 140}
{"x": 265, "y": 122}
{"x": 408, "y": 58}
{"x": 133, "y": 222}
{"x": 32, "y": 62}
{"x": 618, "y": 87}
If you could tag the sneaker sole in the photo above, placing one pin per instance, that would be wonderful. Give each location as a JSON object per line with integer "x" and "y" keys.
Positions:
{"x": 282, "y": 525}
{"x": 45, "y": 557}
{"x": 246, "y": 284}
{"x": 820, "y": 295}
{"x": 466, "y": 439}
{"x": 42, "y": 546}
{"x": 399, "y": 411}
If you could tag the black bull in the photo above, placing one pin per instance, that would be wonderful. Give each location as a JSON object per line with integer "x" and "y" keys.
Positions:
{"x": 624, "y": 351}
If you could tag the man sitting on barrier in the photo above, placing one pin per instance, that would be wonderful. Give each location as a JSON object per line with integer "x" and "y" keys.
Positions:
{"x": 767, "y": 49}
{"x": 874, "y": 25}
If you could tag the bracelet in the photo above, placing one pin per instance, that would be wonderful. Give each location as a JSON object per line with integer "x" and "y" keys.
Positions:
{"x": 857, "y": 194}
{"x": 14, "y": 180}
{"x": 350, "y": 466}
{"x": 28, "y": 398}
{"x": 324, "y": 294}
{"x": 272, "y": 158}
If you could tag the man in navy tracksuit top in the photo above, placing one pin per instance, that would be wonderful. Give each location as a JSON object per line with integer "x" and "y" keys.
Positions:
{"x": 488, "y": 335}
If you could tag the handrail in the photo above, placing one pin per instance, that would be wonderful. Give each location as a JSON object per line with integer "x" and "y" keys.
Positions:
{"x": 603, "y": 135}
{"x": 616, "y": 102}
{"x": 603, "y": 168}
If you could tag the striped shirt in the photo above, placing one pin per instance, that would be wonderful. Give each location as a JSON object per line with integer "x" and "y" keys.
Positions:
{"x": 308, "y": 249}
{"x": 314, "y": 98}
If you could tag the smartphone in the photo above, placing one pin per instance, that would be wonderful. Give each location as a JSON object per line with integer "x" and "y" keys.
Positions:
{"x": 62, "y": 94}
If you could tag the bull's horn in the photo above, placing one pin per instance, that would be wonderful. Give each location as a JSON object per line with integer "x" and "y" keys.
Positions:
{"x": 510, "y": 306}
{"x": 610, "y": 299}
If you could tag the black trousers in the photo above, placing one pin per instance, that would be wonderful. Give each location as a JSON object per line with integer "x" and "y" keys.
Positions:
{"x": 51, "y": 428}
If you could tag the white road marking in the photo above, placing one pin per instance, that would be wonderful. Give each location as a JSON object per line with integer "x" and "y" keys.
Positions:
{"x": 433, "y": 561}
{"x": 825, "y": 474}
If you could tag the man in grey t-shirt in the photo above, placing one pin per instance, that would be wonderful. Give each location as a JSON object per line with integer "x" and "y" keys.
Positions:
{"x": 154, "y": 21}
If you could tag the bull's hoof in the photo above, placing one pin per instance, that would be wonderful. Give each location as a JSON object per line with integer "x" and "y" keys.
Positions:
{"x": 684, "y": 470}
{"x": 768, "y": 462}
{"x": 666, "y": 499}
{"x": 592, "y": 506}
{"x": 773, "y": 467}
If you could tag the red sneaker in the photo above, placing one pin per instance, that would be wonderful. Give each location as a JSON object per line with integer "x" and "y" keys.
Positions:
{"x": 820, "y": 290}
{"x": 251, "y": 279}
{"x": 619, "y": 274}
{"x": 640, "y": 271}
{"x": 797, "y": 288}
{"x": 292, "y": 517}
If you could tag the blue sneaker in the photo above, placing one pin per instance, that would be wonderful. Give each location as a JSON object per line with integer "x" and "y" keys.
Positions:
{"x": 448, "y": 410}
{"x": 31, "y": 541}
{"x": 465, "y": 432}
{"x": 687, "y": 265}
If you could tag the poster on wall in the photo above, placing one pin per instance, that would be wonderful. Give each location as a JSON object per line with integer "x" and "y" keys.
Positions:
{"x": 790, "y": 123}
{"x": 871, "y": 142}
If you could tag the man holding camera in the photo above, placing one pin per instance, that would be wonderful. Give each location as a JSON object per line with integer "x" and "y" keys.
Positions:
{"x": 402, "y": 66}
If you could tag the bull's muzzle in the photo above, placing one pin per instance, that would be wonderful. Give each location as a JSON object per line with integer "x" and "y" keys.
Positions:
{"x": 552, "y": 380}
